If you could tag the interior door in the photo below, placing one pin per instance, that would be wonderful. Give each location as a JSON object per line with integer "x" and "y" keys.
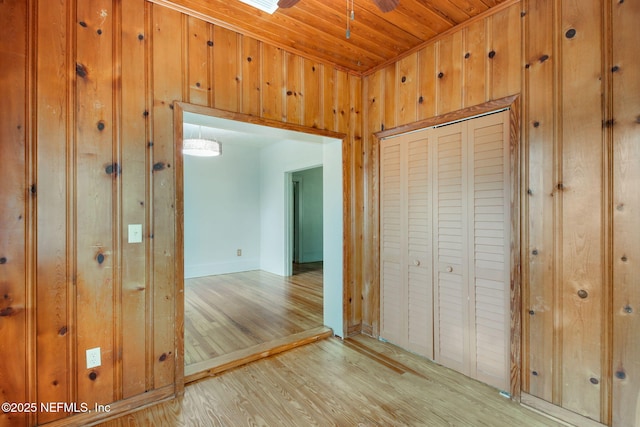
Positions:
{"x": 406, "y": 316}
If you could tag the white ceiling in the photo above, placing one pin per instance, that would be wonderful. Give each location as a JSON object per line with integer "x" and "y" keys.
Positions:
{"x": 234, "y": 132}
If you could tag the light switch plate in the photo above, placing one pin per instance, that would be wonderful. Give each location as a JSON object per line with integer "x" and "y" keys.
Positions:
{"x": 135, "y": 233}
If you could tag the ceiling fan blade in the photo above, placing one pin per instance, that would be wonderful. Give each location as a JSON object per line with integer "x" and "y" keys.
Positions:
{"x": 287, "y": 3}
{"x": 386, "y": 5}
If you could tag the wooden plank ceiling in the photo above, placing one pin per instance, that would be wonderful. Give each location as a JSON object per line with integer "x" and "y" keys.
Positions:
{"x": 316, "y": 29}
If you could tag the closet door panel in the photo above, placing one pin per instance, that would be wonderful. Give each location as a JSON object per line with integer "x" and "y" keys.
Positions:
{"x": 392, "y": 242}
{"x": 489, "y": 243}
{"x": 449, "y": 215}
{"x": 419, "y": 282}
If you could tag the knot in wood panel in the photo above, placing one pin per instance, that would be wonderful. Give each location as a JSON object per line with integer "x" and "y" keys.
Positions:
{"x": 7, "y": 311}
{"x": 81, "y": 70}
{"x": 113, "y": 169}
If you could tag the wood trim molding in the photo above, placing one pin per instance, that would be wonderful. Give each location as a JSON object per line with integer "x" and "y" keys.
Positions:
{"x": 179, "y": 257}
{"x": 465, "y": 113}
{"x": 178, "y": 112}
{"x": 513, "y": 104}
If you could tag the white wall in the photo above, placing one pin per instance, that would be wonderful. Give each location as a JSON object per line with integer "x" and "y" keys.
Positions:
{"x": 222, "y": 212}
{"x": 310, "y": 214}
{"x": 333, "y": 236}
{"x": 276, "y": 162}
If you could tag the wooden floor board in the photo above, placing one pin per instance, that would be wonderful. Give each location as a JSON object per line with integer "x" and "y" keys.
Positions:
{"x": 300, "y": 377}
{"x": 359, "y": 381}
{"x": 231, "y": 312}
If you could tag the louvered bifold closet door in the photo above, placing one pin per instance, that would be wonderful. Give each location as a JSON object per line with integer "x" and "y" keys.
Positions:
{"x": 451, "y": 290}
{"x": 392, "y": 243}
{"x": 471, "y": 212}
{"x": 419, "y": 257}
{"x": 489, "y": 243}
{"x": 406, "y": 274}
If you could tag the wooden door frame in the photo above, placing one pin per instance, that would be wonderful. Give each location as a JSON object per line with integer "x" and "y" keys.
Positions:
{"x": 179, "y": 108}
{"x": 513, "y": 104}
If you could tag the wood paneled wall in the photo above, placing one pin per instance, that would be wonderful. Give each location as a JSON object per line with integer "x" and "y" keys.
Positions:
{"x": 87, "y": 147}
{"x": 572, "y": 65}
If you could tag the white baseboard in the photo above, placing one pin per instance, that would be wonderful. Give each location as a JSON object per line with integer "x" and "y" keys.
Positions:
{"x": 224, "y": 267}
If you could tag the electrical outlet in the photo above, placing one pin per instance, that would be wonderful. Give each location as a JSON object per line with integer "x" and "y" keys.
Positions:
{"x": 93, "y": 358}
{"x": 239, "y": 252}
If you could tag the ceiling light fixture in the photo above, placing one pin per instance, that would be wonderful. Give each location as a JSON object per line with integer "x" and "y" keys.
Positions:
{"x": 201, "y": 147}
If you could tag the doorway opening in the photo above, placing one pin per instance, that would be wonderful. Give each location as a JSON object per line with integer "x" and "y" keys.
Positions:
{"x": 277, "y": 154}
{"x": 305, "y": 219}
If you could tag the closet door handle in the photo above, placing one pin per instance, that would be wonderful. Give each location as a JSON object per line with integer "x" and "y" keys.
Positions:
{"x": 449, "y": 269}
{"x": 416, "y": 262}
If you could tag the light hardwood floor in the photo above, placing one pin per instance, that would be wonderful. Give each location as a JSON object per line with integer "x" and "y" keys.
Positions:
{"x": 356, "y": 382}
{"x": 230, "y": 312}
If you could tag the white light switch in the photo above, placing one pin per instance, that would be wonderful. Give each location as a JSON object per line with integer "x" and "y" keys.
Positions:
{"x": 135, "y": 233}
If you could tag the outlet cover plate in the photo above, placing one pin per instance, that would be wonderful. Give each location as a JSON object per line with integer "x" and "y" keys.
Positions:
{"x": 93, "y": 358}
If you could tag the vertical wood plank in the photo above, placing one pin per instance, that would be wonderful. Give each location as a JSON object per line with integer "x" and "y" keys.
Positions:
{"x": 407, "y": 89}
{"x": 272, "y": 83}
{"x": 198, "y": 65}
{"x": 227, "y": 70}
{"x": 427, "y": 85}
{"x": 167, "y": 87}
{"x": 357, "y": 200}
{"x": 474, "y": 64}
{"x": 293, "y": 89}
{"x": 390, "y": 106}
{"x": 329, "y": 93}
{"x": 344, "y": 125}
{"x": 312, "y": 93}
{"x": 626, "y": 211}
{"x": 134, "y": 114}
{"x": 251, "y": 77}
{"x": 96, "y": 173}
{"x": 581, "y": 189}
{"x": 343, "y": 104}
{"x": 54, "y": 327}
{"x": 13, "y": 208}
{"x": 449, "y": 74}
{"x": 504, "y": 56}
{"x": 538, "y": 297}
{"x": 371, "y": 277}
